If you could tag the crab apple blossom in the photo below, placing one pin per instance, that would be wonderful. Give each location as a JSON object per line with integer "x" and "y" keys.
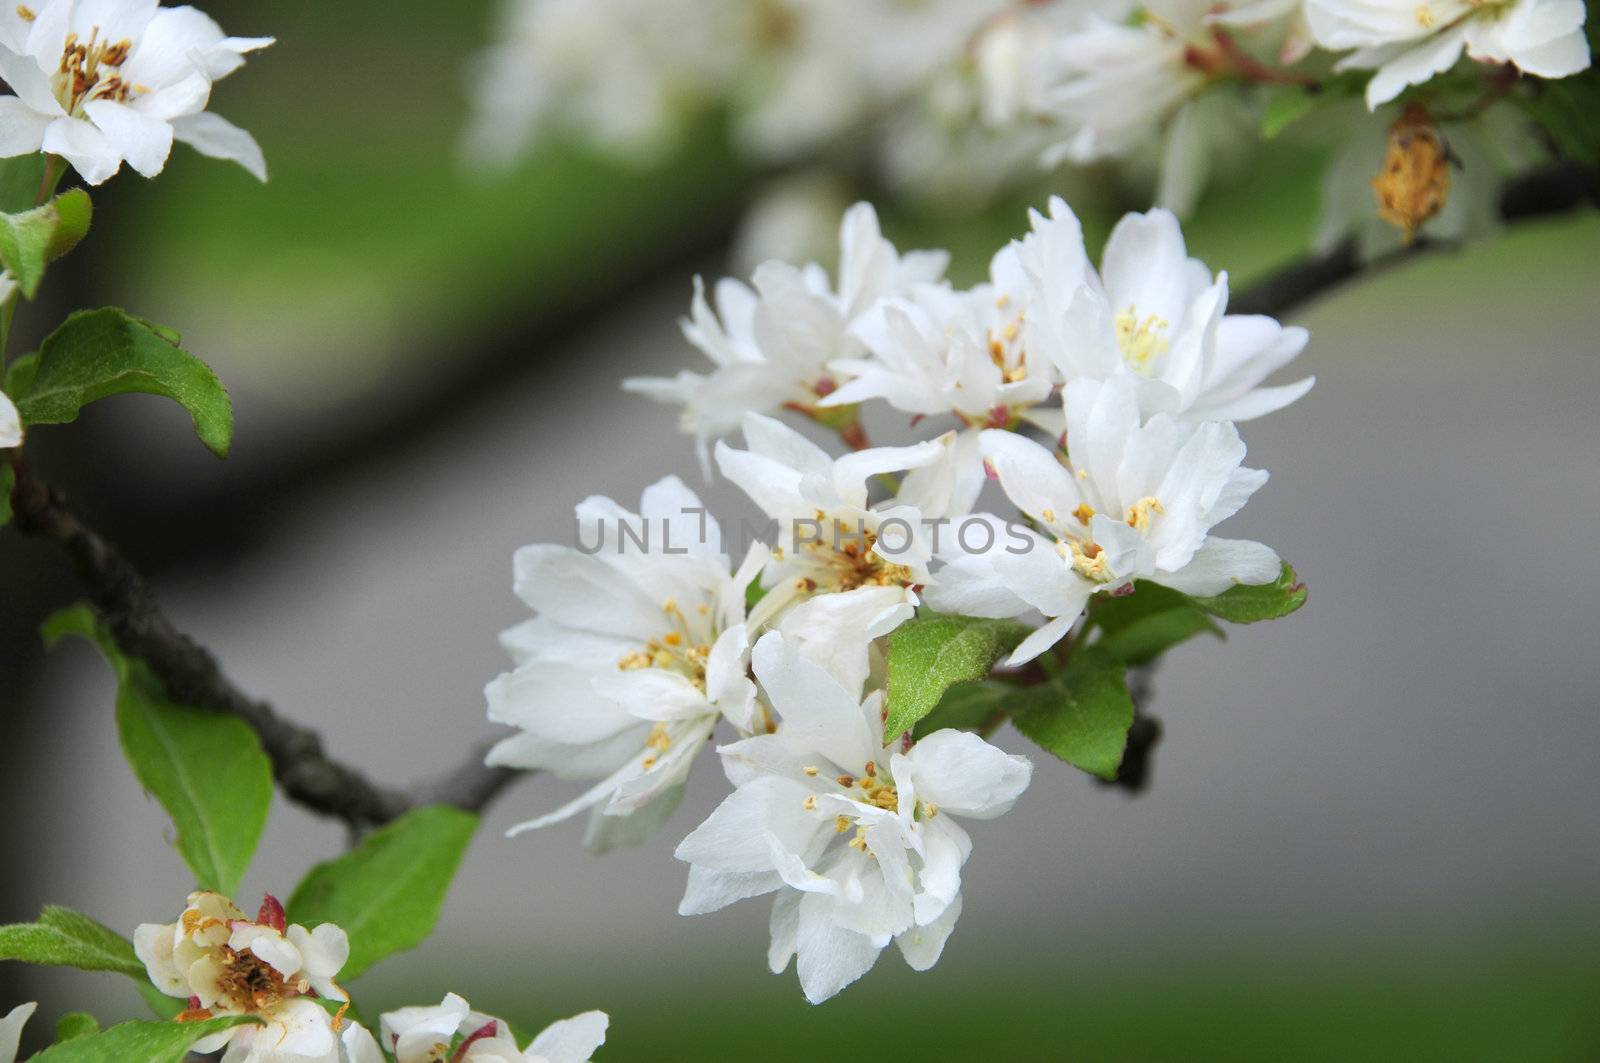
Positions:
{"x": 1132, "y": 501}
{"x": 224, "y": 963}
{"x": 860, "y": 841}
{"x": 637, "y": 649}
{"x": 1154, "y": 317}
{"x": 1408, "y": 42}
{"x": 10, "y": 423}
{"x": 453, "y": 1033}
{"x": 103, "y": 82}
{"x": 772, "y": 344}
{"x": 845, "y": 571}
{"x": 11, "y": 1030}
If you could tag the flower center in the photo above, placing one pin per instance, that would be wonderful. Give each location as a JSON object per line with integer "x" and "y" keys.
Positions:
{"x": 676, "y": 651}
{"x": 250, "y": 984}
{"x": 1141, "y": 341}
{"x": 848, "y": 559}
{"x": 90, "y": 70}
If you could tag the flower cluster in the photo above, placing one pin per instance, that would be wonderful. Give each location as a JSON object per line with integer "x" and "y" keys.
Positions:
{"x": 970, "y": 97}
{"x": 646, "y": 638}
{"x": 103, "y": 82}
{"x": 282, "y": 976}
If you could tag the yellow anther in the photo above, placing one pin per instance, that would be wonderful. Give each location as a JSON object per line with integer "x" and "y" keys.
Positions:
{"x": 1424, "y": 17}
{"x": 649, "y": 762}
{"x": 1084, "y": 513}
{"x": 930, "y": 809}
{"x": 871, "y": 769}
{"x": 659, "y": 739}
{"x": 846, "y": 781}
{"x": 1049, "y": 516}
{"x": 810, "y": 803}
{"x": 1141, "y": 512}
{"x": 1141, "y": 341}
{"x": 25, "y": 13}
{"x": 1089, "y": 561}
{"x": 810, "y": 769}
{"x": 841, "y": 824}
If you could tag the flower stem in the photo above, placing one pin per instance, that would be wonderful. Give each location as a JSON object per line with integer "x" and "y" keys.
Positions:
{"x": 55, "y": 167}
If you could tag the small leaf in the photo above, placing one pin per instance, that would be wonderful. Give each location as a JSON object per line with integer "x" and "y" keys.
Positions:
{"x": 139, "y": 1042}
{"x": 1139, "y": 627}
{"x": 76, "y": 1024}
{"x": 1081, "y": 714}
{"x": 20, "y": 376}
{"x": 1284, "y": 109}
{"x": 207, "y": 770}
{"x": 99, "y": 353}
{"x": 32, "y": 240}
{"x": 387, "y": 892}
{"x": 930, "y": 654}
{"x": 63, "y": 938}
{"x": 20, "y": 178}
{"x": 965, "y": 707}
{"x": 1247, "y": 605}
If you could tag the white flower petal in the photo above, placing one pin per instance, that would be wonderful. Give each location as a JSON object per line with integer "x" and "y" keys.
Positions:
{"x": 217, "y": 138}
{"x": 571, "y": 1040}
{"x": 966, "y": 776}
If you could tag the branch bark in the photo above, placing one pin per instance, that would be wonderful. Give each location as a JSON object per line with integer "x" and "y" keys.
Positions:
{"x": 307, "y": 773}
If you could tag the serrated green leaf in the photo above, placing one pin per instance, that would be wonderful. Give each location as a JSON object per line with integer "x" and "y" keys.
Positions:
{"x": 139, "y": 1042}
{"x": 76, "y": 1024}
{"x": 1081, "y": 714}
{"x": 63, "y": 938}
{"x": 207, "y": 770}
{"x": 1247, "y": 605}
{"x": 387, "y": 892}
{"x": 930, "y": 654}
{"x": 33, "y": 239}
{"x": 965, "y": 707}
{"x": 1139, "y": 627}
{"x": 8, "y": 480}
{"x": 99, "y": 353}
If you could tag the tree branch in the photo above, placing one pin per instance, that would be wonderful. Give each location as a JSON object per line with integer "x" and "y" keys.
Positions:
{"x": 1539, "y": 194}
{"x": 308, "y": 775}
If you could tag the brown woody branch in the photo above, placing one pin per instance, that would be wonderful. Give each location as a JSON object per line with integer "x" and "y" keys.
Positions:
{"x": 307, "y": 773}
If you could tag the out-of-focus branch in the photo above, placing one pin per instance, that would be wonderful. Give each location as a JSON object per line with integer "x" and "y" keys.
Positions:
{"x": 190, "y": 674}
{"x": 1541, "y": 193}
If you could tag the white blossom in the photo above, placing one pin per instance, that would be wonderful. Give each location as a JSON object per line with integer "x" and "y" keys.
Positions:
{"x": 637, "y": 649}
{"x": 621, "y": 71}
{"x": 453, "y": 1033}
{"x": 845, "y": 571}
{"x": 102, "y": 82}
{"x": 11, "y": 1030}
{"x": 771, "y": 346}
{"x": 223, "y": 963}
{"x": 10, "y": 423}
{"x": 1152, "y": 316}
{"x": 1408, "y": 42}
{"x": 860, "y": 841}
{"x": 1131, "y": 501}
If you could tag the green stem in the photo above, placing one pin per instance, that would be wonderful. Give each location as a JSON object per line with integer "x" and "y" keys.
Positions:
{"x": 55, "y": 167}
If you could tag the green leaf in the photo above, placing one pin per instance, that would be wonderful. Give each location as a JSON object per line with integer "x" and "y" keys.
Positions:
{"x": 19, "y": 378}
{"x": 139, "y": 1042}
{"x": 8, "y": 480}
{"x": 99, "y": 353}
{"x": 63, "y": 938}
{"x": 20, "y": 178}
{"x": 1081, "y": 714}
{"x": 32, "y": 240}
{"x": 1284, "y": 109}
{"x": 1247, "y": 605}
{"x": 1139, "y": 627}
{"x": 965, "y": 707}
{"x": 161, "y": 1005}
{"x": 76, "y": 1024}
{"x": 930, "y": 654}
{"x": 387, "y": 892}
{"x": 207, "y": 770}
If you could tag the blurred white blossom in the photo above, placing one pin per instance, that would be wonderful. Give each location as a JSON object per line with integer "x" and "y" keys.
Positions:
{"x": 102, "y": 82}
{"x": 637, "y": 649}
{"x": 11, "y": 1030}
{"x": 10, "y": 423}
{"x": 453, "y": 1033}
{"x": 1408, "y": 42}
{"x": 859, "y": 841}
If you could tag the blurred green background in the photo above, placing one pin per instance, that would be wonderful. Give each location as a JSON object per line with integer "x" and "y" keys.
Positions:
{"x": 378, "y": 279}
